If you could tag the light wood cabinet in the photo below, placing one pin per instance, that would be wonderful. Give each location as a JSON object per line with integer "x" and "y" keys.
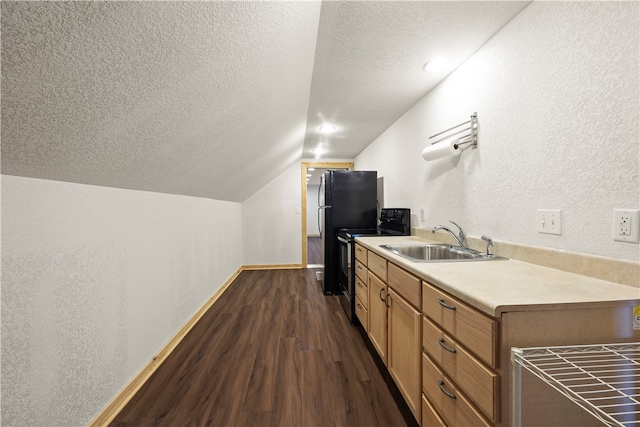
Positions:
{"x": 361, "y": 271}
{"x": 452, "y": 405}
{"x": 361, "y": 254}
{"x": 362, "y": 291}
{"x": 478, "y": 381}
{"x": 405, "y": 284}
{"x": 395, "y": 325}
{"x": 377, "y": 265}
{"x": 362, "y": 313}
{"x": 362, "y": 303}
{"x": 378, "y": 315}
{"x": 476, "y": 331}
{"x": 460, "y": 355}
{"x": 430, "y": 417}
{"x": 404, "y": 349}
{"x": 464, "y": 368}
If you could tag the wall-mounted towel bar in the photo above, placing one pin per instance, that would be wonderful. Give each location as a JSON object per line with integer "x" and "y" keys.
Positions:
{"x": 470, "y": 126}
{"x": 468, "y": 132}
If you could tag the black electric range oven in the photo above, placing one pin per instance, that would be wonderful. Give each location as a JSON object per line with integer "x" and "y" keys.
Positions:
{"x": 393, "y": 222}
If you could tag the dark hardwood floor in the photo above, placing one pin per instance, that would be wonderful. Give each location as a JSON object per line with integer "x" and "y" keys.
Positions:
{"x": 272, "y": 351}
{"x": 314, "y": 246}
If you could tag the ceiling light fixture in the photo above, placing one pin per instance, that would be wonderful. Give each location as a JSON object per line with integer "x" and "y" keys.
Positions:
{"x": 327, "y": 128}
{"x": 436, "y": 65}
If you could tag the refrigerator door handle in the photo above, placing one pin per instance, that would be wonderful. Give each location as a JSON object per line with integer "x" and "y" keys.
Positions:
{"x": 319, "y": 222}
{"x": 323, "y": 190}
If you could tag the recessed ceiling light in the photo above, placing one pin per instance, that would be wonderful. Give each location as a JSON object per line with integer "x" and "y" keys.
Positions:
{"x": 327, "y": 128}
{"x": 436, "y": 65}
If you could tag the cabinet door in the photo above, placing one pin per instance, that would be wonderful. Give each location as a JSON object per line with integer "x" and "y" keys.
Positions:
{"x": 404, "y": 343}
{"x": 378, "y": 315}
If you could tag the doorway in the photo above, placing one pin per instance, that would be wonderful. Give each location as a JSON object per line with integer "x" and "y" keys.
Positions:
{"x": 311, "y": 250}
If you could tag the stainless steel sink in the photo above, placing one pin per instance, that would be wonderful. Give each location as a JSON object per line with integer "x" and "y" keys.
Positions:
{"x": 438, "y": 253}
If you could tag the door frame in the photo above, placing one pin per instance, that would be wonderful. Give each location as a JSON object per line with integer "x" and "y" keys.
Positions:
{"x": 305, "y": 166}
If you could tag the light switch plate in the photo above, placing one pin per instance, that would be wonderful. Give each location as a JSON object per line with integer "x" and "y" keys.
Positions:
{"x": 549, "y": 221}
{"x": 626, "y": 227}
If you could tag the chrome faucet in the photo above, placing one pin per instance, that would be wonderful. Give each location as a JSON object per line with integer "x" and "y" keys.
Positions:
{"x": 489, "y": 244}
{"x": 461, "y": 238}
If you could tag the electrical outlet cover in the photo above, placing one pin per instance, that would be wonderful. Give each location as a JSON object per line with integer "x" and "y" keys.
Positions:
{"x": 626, "y": 225}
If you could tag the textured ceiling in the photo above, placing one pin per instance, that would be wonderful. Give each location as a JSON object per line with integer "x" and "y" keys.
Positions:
{"x": 368, "y": 69}
{"x": 214, "y": 99}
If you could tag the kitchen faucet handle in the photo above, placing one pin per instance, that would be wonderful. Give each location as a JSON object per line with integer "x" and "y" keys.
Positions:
{"x": 461, "y": 233}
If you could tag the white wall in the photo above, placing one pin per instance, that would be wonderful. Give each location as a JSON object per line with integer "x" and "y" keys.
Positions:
{"x": 95, "y": 281}
{"x": 557, "y": 97}
{"x": 312, "y": 210}
{"x": 272, "y": 223}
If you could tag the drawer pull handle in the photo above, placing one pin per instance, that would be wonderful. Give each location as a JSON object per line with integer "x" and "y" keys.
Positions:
{"x": 448, "y": 393}
{"x": 385, "y": 300}
{"x": 381, "y": 291}
{"x": 360, "y": 307}
{"x": 449, "y": 349}
{"x": 445, "y": 305}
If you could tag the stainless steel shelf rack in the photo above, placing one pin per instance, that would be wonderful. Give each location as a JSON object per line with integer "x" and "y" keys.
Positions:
{"x": 468, "y": 138}
{"x": 602, "y": 379}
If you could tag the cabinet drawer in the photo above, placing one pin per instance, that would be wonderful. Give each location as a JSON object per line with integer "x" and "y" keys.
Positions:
{"x": 377, "y": 265}
{"x": 361, "y": 271}
{"x": 362, "y": 292}
{"x": 472, "y": 329}
{"x": 451, "y": 404}
{"x": 404, "y": 283}
{"x": 362, "y": 313}
{"x": 430, "y": 416}
{"x": 361, "y": 254}
{"x": 478, "y": 382}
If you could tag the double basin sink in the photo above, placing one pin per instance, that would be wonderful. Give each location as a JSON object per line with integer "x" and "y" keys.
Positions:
{"x": 438, "y": 253}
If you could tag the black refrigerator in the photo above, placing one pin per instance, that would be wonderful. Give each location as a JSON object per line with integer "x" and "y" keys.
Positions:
{"x": 347, "y": 199}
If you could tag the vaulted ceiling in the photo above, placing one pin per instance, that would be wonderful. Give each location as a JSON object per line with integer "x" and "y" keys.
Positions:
{"x": 215, "y": 99}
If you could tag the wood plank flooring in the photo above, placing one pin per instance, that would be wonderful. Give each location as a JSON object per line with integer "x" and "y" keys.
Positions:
{"x": 314, "y": 249}
{"x": 272, "y": 351}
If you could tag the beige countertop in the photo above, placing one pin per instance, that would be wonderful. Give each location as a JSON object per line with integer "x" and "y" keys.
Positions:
{"x": 500, "y": 286}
